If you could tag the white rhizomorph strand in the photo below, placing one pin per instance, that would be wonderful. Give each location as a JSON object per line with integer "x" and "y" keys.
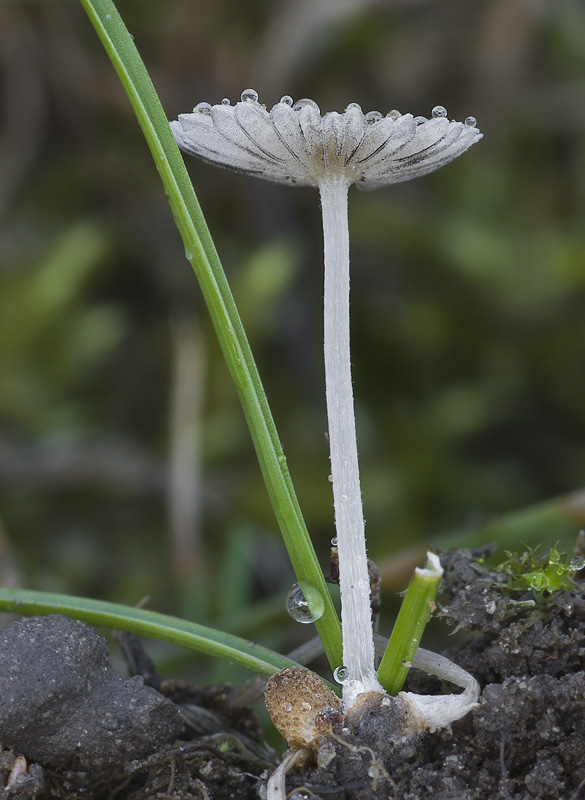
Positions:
{"x": 358, "y": 641}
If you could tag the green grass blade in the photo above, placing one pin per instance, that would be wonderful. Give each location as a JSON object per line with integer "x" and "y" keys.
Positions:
{"x": 413, "y": 616}
{"x": 142, "y": 622}
{"x": 200, "y": 252}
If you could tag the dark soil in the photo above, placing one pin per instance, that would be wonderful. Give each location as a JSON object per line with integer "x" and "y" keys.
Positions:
{"x": 526, "y": 741}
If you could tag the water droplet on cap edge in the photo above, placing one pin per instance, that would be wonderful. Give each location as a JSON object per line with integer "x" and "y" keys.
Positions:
{"x": 249, "y": 96}
{"x": 439, "y": 112}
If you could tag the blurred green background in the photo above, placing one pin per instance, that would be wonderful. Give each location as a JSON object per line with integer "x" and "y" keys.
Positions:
{"x": 126, "y": 468}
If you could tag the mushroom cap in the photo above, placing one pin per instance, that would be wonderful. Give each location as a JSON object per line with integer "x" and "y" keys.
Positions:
{"x": 297, "y": 144}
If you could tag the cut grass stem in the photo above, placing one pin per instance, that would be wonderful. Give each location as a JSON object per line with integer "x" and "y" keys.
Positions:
{"x": 413, "y": 616}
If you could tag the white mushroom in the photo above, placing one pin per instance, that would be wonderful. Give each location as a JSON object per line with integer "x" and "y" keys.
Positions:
{"x": 295, "y": 144}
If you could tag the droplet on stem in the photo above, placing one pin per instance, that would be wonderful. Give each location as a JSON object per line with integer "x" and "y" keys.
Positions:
{"x": 341, "y": 674}
{"x": 470, "y": 122}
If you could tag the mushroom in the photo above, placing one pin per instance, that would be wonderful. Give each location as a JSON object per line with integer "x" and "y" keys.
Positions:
{"x": 293, "y": 143}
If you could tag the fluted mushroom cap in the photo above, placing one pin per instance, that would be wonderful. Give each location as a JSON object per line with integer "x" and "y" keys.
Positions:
{"x": 295, "y": 143}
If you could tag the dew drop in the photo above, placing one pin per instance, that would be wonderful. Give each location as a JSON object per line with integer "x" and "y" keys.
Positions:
{"x": 249, "y": 96}
{"x": 286, "y": 99}
{"x": 576, "y": 564}
{"x": 394, "y": 114}
{"x": 470, "y": 122}
{"x": 420, "y": 120}
{"x": 334, "y": 541}
{"x": 299, "y": 796}
{"x": 287, "y": 707}
{"x": 203, "y": 108}
{"x": 306, "y": 103}
{"x": 439, "y": 112}
{"x": 299, "y": 607}
{"x": 341, "y": 674}
{"x": 353, "y": 107}
{"x": 306, "y": 707}
{"x": 345, "y": 498}
{"x": 188, "y": 255}
{"x": 373, "y": 116}
{"x": 225, "y": 101}
{"x": 108, "y": 16}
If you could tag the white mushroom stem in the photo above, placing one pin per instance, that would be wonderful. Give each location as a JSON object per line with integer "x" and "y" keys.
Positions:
{"x": 354, "y": 582}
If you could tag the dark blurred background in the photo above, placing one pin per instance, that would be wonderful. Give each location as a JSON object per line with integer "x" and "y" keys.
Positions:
{"x": 126, "y": 468}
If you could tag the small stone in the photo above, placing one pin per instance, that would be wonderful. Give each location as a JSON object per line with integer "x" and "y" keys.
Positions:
{"x": 63, "y": 705}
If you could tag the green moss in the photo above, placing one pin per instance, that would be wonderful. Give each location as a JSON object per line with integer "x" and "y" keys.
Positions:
{"x": 543, "y": 574}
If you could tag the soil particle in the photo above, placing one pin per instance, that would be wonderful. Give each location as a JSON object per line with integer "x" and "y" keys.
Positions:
{"x": 63, "y": 705}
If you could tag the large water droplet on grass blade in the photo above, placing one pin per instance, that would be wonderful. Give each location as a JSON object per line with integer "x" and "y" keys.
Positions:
{"x": 304, "y": 603}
